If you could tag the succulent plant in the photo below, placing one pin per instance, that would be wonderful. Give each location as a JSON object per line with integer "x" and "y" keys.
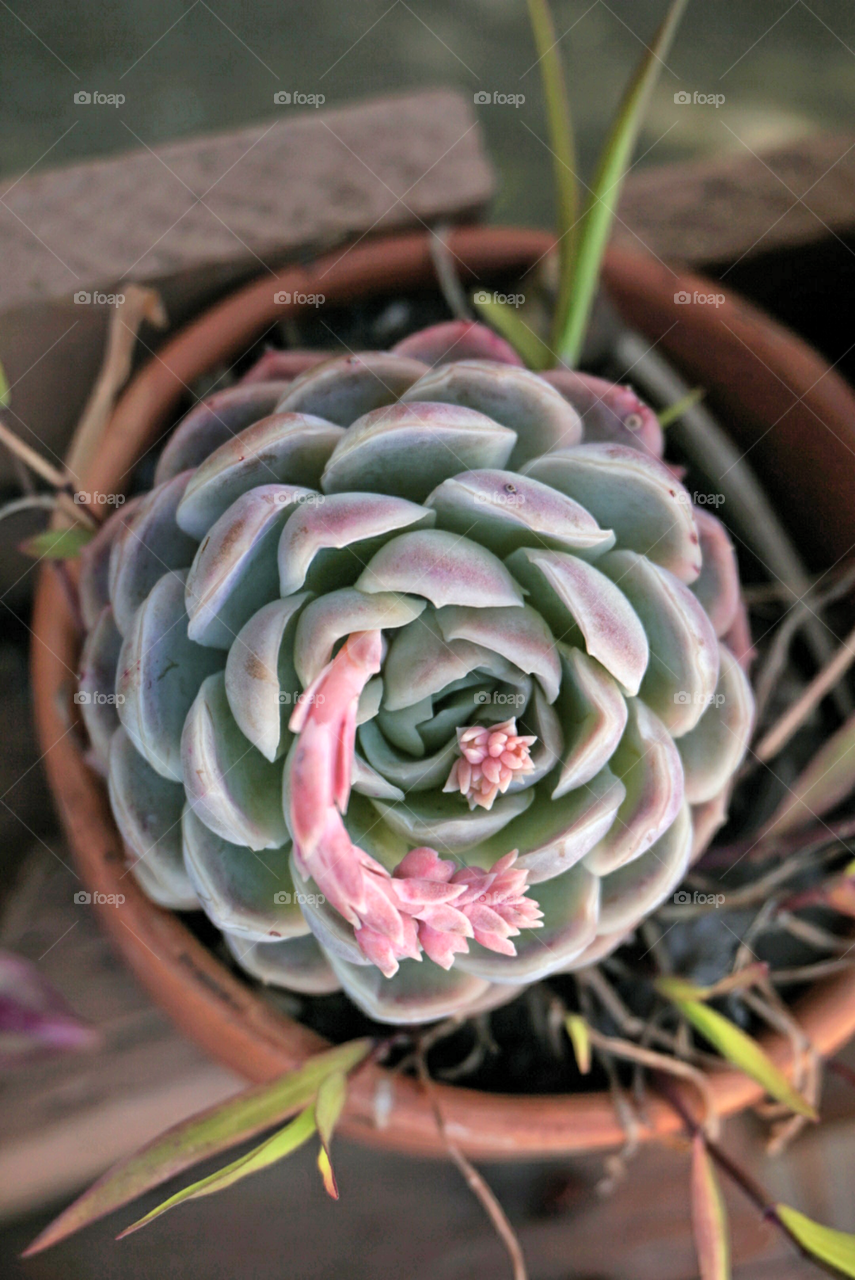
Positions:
{"x": 418, "y": 672}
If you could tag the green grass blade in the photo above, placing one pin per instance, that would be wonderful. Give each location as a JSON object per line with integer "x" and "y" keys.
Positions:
{"x": 563, "y": 147}
{"x": 528, "y": 345}
{"x": 675, "y": 411}
{"x": 203, "y": 1135}
{"x": 328, "y": 1107}
{"x": 733, "y": 1043}
{"x": 281, "y": 1144}
{"x": 834, "y": 1248}
{"x": 577, "y": 1030}
{"x": 605, "y": 192}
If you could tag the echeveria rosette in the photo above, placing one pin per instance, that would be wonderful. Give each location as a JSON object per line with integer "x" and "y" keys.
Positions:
{"x": 430, "y": 674}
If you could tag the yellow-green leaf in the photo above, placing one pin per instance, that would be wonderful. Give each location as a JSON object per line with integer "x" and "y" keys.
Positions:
{"x": 739, "y": 1048}
{"x": 675, "y": 411}
{"x": 328, "y": 1106}
{"x": 709, "y": 1216}
{"x": 577, "y": 1030}
{"x": 504, "y": 318}
{"x": 834, "y": 1248}
{"x": 4, "y": 389}
{"x": 281, "y": 1144}
{"x": 605, "y": 191}
{"x": 206, "y": 1134}
{"x": 57, "y": 544}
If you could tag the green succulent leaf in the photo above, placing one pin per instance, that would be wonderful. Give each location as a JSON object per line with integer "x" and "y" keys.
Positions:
{"x": 57, "y": 544}
{"x": 709, "y": 1216}
{"x": 735, "y": 1045}
{"x": 834, "y": 1248}
{"x": 602, "y": 202}
{"x": 206, "y": 1134}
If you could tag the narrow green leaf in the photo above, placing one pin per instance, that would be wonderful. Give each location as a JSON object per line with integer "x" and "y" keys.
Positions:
{"x": 328, "y": 1105}
{"x": 675, "y": 411}
{"x": 834, "y": 1248}
{"x": 577, "y": 1030}
{"x": 739, "y": 1048}
{"x": 602, "y": 202}
{"x": 679, "y": 988}
{"x": 57, "y": 544}
{"x": 528, "y": 345}
{"x": 5, "y": 396}
{"x": 709, "y": 1216}
{"x": 281, "y": 1144}
{"x": 828, "y": 779}
{"x": 206, "y": 1134}
{"x": 563, "y": 149}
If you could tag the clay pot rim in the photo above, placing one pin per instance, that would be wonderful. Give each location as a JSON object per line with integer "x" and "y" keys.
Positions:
{"x": 216, "y": 1008}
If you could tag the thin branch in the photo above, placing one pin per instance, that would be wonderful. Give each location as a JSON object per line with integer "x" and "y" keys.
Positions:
{"x": 795, "y": 716}
{"x": 473, "y": 1178}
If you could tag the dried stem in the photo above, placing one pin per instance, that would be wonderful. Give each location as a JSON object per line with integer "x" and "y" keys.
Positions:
{"x": 473, "y": 1178}
{"x": 792, "y": 719}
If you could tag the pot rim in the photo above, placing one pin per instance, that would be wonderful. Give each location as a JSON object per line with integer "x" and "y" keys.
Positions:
{"x": 216, "y": 1008}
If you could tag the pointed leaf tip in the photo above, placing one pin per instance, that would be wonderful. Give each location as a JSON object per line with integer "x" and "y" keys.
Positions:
{"x": 577, "y": 1030}
{"x": 834, "y": 1248}
{"x": 328, "y": 1107}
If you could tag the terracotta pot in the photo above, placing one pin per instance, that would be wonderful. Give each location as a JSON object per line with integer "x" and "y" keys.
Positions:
{"x": 759, "y": 372}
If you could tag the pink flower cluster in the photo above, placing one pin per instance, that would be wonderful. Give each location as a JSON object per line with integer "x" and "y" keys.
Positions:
{"x": 489, "y": 759}
{"x": 426, "y": 904}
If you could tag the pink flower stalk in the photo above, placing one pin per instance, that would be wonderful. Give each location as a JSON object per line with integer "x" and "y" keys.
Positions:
{"x": 489, "y": 759}
{"x": 426, "y": 904}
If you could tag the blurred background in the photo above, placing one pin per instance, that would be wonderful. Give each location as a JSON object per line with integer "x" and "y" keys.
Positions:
{"x": 781, "y": 72}
{"x": 785, "y": 68}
